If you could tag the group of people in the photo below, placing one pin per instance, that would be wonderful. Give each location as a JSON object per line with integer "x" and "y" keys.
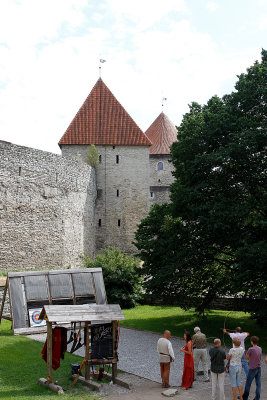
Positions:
{"x": 195, "y": 350}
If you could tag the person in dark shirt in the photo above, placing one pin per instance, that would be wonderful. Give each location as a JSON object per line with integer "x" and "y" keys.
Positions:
{"x": 217, "y": 367}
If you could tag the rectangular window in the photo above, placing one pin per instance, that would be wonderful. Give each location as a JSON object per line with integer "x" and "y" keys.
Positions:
{"x": 19, "y": 171}
{"x": 119, "y": 222}
{"x": 117, "y": 159}
{"x": 152, "y": 195}
{"x": 99, "y": 222}
{"x": 99, "y": 158}
{"x": 118, "y": 193}
{"x": 113, "y": 147}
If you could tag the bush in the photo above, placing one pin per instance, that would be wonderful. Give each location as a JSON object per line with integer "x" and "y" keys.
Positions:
{"x": 121, "y": 276}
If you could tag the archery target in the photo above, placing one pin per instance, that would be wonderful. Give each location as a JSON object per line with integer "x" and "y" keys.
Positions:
{"x": 34, "y": 317}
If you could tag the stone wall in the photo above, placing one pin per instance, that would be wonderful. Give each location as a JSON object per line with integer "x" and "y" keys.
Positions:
{"x": 160, "y": 180}
{"x": 46, "y": 209}
{"x": 123, "y": 192}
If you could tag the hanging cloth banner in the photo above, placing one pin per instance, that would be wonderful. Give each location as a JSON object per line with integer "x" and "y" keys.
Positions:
{"x": 59, "y": 346}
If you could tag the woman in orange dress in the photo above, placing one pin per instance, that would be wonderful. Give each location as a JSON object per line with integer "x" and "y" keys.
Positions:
{"x": 188, "y": 374}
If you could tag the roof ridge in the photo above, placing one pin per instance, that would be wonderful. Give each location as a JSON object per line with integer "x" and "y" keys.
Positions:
{"x": 102, "y": 120}
{"x": 162, "y": 132}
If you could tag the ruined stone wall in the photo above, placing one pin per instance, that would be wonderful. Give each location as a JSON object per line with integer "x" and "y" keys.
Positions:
{"x": 160, "y": 180}
{"x": 46, "y": 209}
{"x": 122, "y": 192}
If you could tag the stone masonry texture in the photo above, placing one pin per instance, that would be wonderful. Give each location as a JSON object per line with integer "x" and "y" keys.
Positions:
{"x": 122, "y": 192}
{"x": 160, "y": 181}
{"x": 47, "y": 205}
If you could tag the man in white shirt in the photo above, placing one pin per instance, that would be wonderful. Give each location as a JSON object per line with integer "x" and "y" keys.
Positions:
{"x": 166, "y": 356}
{"x": 242, "y": 337}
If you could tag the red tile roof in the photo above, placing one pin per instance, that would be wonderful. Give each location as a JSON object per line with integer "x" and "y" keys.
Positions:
{"x": 102, "y": 120}
{"x": 162, "y": 133}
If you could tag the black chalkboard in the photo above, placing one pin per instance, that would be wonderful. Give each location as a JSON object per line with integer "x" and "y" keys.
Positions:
{"x": 101, "y": 341}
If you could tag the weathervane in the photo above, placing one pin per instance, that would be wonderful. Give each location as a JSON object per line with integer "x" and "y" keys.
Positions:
{"x": 162, "y": 104}
{"x": 101, "y": 61}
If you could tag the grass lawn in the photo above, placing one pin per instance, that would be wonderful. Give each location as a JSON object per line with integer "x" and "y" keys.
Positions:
{"x": 159, "y": 318}
{"x": 21, "y": 366}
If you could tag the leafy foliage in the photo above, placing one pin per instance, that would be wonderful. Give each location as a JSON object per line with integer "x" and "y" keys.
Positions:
{"x": 121, "y": 276}
{"x": 93, "y": 156}
{"x": 210, "y": 240}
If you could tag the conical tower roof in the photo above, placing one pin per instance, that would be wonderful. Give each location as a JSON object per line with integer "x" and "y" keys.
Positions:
{"x": 102, "y": 120}
{"x": 162, "y": 133}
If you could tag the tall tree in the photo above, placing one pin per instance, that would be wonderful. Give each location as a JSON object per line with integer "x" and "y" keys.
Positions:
{"x": 210, "y": 240}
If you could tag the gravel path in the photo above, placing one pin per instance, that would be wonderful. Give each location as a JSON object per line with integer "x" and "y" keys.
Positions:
{"x": 138, "y": 355}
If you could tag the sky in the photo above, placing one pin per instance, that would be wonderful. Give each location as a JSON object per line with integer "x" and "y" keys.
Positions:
{"x": 183, "y": 50}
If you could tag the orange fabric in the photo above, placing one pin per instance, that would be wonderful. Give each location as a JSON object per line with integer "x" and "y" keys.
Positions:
{"x": 188, "y": 374}
{"x": 165, "y": 373}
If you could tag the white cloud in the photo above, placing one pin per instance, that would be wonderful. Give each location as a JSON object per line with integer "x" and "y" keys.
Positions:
{"x": 152, "y": 50}
{"x": 211, "y": 6}
{"x": 144, "y": 13}
{"x": 263, "y": 23}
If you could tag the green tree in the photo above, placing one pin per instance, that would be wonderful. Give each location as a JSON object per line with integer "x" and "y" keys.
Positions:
{"x": 214, "y": 228}
{"x": 93, "y": 156}
{"x": 121, "y": 274}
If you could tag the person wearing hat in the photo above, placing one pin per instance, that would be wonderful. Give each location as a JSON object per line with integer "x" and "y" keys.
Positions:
{"x": 200, "y": 352}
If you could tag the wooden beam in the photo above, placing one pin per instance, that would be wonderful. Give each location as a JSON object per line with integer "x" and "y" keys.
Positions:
{"x": 118, "y": 381}
{"x": 114, "y": 364}
{"x": 3, "y": 301}
{"x": 49, "y": 349}
{"x": 50, "y": 385}
{"x": 82, "y": 313}
{"x": 91, "y": 384}
{"x": 55, "y": 272}
{"x": 10, "y": 304}
{"x": 87, "y": 350}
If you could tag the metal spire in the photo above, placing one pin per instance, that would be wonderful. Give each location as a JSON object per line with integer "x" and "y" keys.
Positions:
{"x": 162, "y": 104}
{"x": 101, "y": 61}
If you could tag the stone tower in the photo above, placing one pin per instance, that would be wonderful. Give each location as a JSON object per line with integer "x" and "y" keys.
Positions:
{"x": 122, "y": 175}
{"x": 162, "y": 133}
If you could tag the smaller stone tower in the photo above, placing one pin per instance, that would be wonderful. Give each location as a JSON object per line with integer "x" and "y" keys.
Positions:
{"x": 162, "y": 133}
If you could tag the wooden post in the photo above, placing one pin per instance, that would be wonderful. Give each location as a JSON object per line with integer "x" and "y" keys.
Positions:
{"x": 49, "y": 349}
{"x": 3, "y": 302}
{"x": 10, "y": 304}
{"x": 52, "y": 386}
{"x": 87, "y": 350}
{"x": 114, "y": 364}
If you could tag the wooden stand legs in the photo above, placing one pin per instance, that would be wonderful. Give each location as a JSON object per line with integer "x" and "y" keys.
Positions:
{"x": 49, "y": 349}
{"x": 87, "y": 350}
{"x": 48, "y": 382}
{"x": 114, "y": 365}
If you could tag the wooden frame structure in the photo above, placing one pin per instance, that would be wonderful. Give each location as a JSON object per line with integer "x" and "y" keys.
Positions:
{"x": 34, "y": 289}
{"x": 86, "y": 315}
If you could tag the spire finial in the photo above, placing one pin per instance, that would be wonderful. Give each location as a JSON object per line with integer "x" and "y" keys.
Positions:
{"x": 101, "y": 61}
{"x": 162, "y": 104}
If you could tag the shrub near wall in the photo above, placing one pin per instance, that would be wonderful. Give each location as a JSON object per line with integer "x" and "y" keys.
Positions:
{"x": 121, "y": 276}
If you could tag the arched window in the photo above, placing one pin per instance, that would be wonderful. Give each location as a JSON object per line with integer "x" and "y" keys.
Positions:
{"x": 160, "y": 166}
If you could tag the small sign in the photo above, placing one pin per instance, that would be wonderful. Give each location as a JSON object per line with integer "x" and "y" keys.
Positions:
{"x": 34, "y": 315}
{"x": 102, "y": 345}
